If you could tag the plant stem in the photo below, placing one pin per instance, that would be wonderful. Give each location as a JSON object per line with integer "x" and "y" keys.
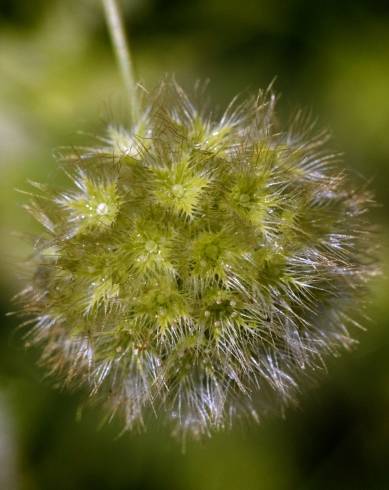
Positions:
{"x": 115, "y": 25}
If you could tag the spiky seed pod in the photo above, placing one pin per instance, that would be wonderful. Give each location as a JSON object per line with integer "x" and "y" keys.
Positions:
{"x": 198, "y": 266}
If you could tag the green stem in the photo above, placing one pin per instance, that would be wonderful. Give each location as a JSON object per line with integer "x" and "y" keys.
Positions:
{"x": 115, "y": 25}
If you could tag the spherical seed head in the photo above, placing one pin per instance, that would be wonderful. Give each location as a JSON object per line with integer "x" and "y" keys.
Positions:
{"x": 198, "y": 265}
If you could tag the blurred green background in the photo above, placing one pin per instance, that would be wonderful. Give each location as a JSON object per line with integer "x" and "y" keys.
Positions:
{"x": 57, "y": 76}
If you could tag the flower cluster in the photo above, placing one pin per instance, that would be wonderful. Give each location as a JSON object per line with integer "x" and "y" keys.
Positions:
{"x": 197, "y": 265}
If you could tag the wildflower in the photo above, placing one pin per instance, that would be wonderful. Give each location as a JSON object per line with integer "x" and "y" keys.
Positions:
{"x": 198, "y": 266}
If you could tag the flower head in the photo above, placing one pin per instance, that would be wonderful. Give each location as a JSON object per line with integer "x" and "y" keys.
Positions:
{"x": 197, "y": 266}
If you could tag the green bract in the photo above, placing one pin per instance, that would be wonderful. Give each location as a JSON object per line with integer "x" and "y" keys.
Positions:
{"x": 197, "y": 266}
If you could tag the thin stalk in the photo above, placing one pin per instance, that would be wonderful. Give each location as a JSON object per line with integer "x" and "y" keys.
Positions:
{"x": 116, "y": 29}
